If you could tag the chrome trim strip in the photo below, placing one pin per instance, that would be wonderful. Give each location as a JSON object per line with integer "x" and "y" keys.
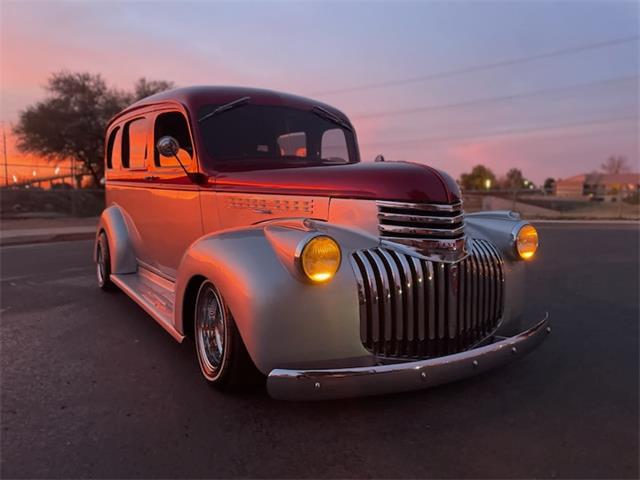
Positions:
{"x": 446, "y": 232}
{"x": 386, "y": 294}
{"x": 396, "y": 299}
{"x": 363, "y": 305}
{"x": 423, "y": 219}
{"x": 490, "y": 283}
{"x": 420, "y": 282}
{"x": 324, "y": 384}
{"x": 448, "y": 250}
{"x": 374, "y": 324}
{"x": 435, "y": 231}
{"x": 432, "y": 207}
{"x": 452, "y": 301}
{"x": 408, "y": 288}
{"x": 440, "y": 278}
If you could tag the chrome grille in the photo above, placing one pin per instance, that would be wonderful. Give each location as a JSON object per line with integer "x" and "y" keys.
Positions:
{"x": 435, "y": 230}
{"x": 416, "y": 308}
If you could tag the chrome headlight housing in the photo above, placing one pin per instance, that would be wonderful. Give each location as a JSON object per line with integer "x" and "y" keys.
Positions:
{"x": 525, "y": 240}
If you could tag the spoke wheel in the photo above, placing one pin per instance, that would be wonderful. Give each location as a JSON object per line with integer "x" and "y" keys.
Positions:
{"x": 211, "y": 329}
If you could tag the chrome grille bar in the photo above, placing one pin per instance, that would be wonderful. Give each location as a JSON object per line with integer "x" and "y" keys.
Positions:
{"x": 433, "y": 230}
{"x": 430, "y": 207}
{"x": 413, "y": 308}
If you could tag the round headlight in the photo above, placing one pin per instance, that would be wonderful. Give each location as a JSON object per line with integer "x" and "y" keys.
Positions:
{"x": 527, "y": 241}
{"x": 320, "y": 259}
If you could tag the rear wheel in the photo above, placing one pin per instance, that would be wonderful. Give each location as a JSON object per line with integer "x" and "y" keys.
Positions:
{"x": 223, "y": 358}
{"x": 103, "y": 263}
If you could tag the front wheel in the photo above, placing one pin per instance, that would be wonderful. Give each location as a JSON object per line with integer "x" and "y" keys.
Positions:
{"x": 223, "y": 358}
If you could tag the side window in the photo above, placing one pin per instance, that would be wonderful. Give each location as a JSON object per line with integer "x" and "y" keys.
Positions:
{"x": 293, "y": 144}
{"x": 114, "y": 148}
{"x": 134, "y": 143}
{"x": 175, "y": 125}
{"x": 334, "y": 146}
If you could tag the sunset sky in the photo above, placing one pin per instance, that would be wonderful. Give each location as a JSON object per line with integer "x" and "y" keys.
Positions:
{"x": 548, "y": 87}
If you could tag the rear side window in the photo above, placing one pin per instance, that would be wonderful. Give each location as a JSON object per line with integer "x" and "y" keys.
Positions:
{"x": 175, "y": 125}
{"x": 334, "y": 146}
{"x": 134, "y": 143}
{"x": 114, "y": 148}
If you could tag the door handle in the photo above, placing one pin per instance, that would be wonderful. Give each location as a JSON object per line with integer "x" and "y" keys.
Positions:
{"x": 151, "y": 178}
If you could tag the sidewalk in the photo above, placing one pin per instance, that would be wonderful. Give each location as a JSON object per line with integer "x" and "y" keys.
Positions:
{"x": 38, "y": 230}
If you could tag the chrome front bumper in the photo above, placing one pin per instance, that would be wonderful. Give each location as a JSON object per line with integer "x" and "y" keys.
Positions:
{"x": 353, "y": 382}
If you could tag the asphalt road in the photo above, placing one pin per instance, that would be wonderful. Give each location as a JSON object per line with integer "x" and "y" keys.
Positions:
{"x": 92, "y": 387}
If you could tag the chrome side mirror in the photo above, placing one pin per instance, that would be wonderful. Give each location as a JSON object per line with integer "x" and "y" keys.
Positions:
{"x": 168, "y": 146}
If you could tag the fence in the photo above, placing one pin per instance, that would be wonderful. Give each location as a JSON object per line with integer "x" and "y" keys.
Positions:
{"x": 33, "y": 202}
{"x": 537, "y": 204}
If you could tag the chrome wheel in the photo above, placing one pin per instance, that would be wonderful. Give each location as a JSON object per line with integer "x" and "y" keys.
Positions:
{"x": 100, "y": 266}
{"x": 211, "y": 331}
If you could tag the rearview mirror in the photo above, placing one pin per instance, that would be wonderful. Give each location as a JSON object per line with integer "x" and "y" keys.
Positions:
{"x": 168, "y": 146}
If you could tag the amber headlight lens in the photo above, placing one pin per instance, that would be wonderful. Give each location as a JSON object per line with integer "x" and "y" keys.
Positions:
{"x": 320, "y": 259}
{"x": 527, "y": 242}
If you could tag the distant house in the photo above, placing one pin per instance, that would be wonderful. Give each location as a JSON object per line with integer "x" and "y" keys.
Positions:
{"x": 571, "y": 187}
{"x": 600, "y": 186}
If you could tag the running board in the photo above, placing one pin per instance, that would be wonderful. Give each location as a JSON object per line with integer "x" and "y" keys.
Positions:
{"x": 153, "y": 293}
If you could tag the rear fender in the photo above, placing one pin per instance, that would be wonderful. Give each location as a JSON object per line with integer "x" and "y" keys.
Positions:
{"x": 118, "y": 230}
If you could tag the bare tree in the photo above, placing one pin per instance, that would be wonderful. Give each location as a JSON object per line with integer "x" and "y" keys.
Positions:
{"x": 514, "y": 179}
{"x": 615, "y": 164}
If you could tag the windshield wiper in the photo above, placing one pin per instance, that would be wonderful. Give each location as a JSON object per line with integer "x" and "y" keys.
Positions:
{"x": 327, "y": 115}
{"x": 227, "y": 106}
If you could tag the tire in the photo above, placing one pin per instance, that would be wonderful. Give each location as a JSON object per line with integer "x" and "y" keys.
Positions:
{"x": 222, "y": 356}
{"x": 103, "y": 264}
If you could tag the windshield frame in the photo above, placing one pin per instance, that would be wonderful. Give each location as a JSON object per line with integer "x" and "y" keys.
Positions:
{"x": 214, "y": 163}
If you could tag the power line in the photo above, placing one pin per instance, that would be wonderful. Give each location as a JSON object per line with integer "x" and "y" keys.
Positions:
{"x": 514, "y": 131}
{"x": 478, "y": 68}
{"x": 480, "y": 101}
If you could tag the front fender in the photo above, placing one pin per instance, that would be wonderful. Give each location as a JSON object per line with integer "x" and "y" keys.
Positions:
{"x": 282, "y": 319}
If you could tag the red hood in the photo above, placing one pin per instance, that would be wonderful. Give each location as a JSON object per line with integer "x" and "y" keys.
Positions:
{"x": 400, "y": 181}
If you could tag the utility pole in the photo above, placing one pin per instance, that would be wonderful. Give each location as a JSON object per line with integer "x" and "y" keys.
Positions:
{"x": 74, "y": 192}
{"x": 6, "y": 164}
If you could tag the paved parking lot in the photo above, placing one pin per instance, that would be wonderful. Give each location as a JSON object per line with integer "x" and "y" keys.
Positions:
{"x": 92, "y": 387}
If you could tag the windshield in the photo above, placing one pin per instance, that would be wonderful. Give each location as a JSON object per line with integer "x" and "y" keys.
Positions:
{"x": 264, "y": 136}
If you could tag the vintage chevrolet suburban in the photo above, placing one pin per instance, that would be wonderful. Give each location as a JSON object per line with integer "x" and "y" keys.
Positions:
{"x": 244, "y": 219}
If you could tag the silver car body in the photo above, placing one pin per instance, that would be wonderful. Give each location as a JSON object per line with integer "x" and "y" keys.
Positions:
{"x": 308, "y": 339}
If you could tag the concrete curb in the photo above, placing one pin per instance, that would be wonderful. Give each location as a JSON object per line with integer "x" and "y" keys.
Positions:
{"x": 61, "y": 237}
